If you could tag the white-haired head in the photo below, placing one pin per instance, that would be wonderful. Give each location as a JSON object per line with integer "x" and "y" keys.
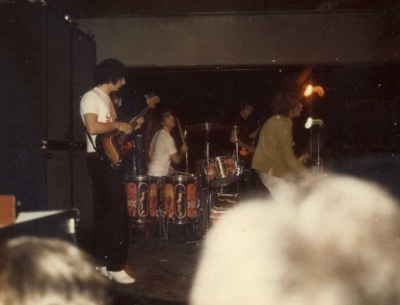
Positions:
{"x": 335, "y": 243}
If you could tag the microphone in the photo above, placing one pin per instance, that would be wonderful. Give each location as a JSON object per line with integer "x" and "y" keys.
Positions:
{"x": 310, "y": 122}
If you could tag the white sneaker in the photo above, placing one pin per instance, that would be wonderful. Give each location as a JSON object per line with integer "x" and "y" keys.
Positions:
{"x": 103, "y": 271}
{"x": 121, "y": 277}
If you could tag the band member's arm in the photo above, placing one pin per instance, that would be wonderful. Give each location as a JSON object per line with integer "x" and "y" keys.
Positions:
{"x": 286, "y": 143}
{"x": 94, "y": 127}
{"x": 255, "y": 133}
{"x": 178, "y": 156}
{"x": 246, "y": 146}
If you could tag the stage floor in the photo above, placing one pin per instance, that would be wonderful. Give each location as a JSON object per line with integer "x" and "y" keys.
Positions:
{"x": 164, "y": 272}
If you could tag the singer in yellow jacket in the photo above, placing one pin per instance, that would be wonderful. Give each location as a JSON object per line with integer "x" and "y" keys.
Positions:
{"x": 274, "y": 158}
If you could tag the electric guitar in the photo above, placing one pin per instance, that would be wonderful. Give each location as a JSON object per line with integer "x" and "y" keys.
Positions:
{"x": 243, "y": 151}
{"x": 115, "y": 145}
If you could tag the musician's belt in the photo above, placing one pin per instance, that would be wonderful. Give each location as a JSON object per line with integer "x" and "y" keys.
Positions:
{"x": 92, "y": 155}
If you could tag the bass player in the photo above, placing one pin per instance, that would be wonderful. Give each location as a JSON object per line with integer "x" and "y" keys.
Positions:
{"x": 110, "y": 240}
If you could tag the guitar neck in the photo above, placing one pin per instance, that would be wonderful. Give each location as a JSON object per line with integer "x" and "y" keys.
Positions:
{"x": 142, "y": 113}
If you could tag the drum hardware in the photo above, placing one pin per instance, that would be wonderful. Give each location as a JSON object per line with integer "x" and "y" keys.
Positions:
{"x": 183, "y": 137}
{"x": 236, "y": 142}
{"x": 221, "y": 204}
{"x": 180, "y": 202}
{"x": 183, "y": 174}
{"x": 186, "y": 154}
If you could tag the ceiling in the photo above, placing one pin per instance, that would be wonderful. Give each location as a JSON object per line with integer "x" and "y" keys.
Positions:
{"x": 119, "y": 8}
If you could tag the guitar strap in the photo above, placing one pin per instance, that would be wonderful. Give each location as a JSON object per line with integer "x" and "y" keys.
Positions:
{"x": 91, "y": 141}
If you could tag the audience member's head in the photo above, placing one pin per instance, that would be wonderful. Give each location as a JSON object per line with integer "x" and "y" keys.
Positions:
{"x": 333, "y": 243}
{"x": 36, "y": 271}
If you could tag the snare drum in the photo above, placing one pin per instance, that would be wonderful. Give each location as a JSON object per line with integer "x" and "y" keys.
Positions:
{"x": 142, "y": 198}
{"x": 180, "y": 202}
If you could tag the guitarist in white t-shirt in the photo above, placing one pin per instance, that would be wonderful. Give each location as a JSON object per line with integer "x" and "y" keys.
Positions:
{"x": 109, "y": 203}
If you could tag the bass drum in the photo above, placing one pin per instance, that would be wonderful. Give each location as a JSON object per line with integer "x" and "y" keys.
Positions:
{"x": 180, "y": 201}
{"x": 143, "y": 198}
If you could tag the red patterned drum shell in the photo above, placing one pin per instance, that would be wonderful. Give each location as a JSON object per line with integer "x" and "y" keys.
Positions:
{"x": 180, "y": 202}
{"x": 142, "y": 198}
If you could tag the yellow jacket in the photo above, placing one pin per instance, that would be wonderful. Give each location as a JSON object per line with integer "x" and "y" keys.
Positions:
{"x": 275, "y": 149}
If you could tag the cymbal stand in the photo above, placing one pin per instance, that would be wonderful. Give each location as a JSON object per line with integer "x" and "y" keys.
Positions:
{"x": 207, "y": 150}
{"x": 186, "y": 154}
{"x": 236, "y": 144}
{"x": 208, "y": 179}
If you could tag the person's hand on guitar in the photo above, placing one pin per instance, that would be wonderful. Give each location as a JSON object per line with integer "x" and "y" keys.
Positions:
{"x": 112, "y": 141}
{"x": 124, "y": 127}
{"x": 139, "y": 122}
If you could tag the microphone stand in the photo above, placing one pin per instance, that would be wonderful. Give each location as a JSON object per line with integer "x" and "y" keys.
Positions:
{"x": 319, "y": 165}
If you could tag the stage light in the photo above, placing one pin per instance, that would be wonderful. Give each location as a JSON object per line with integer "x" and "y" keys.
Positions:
{"x": 308, "y": 91}
{"x": 312, "y": 89}
{"x": 319, "y": 90}
{"x": 310, "y": 122}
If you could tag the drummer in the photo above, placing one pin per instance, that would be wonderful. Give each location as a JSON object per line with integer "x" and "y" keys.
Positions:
{"x": 162, "y": 148}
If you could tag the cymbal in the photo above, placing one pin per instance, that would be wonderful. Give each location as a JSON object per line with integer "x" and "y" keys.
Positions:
{"x": 207, "y": 126}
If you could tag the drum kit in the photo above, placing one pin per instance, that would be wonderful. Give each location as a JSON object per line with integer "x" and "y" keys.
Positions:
{"x": 183, "y": 197}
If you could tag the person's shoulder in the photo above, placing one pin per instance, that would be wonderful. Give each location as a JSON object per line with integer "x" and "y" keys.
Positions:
{"x": 89, "y": 94}
{"x": 279, "y": 120}
{"x": 164, "y": 134}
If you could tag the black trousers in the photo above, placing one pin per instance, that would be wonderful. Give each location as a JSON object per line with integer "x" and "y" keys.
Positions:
{"x": 110, "y": 240}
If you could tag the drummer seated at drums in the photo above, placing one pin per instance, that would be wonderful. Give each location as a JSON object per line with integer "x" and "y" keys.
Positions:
{"x": 162, "y": 147}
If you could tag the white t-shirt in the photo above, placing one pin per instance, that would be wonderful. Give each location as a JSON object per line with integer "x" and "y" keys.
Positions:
{"x": 98, "y": 102}
{"x": 162, "y": 146}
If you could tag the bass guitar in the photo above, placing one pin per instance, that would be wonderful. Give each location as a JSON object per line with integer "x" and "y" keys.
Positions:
{"x": 115, "y": 145}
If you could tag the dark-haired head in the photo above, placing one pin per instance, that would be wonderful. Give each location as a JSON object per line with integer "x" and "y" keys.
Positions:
{"x": 283, "y": 103}
{"x": 109, "y": 71}
{"x": 246, "y": 104}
